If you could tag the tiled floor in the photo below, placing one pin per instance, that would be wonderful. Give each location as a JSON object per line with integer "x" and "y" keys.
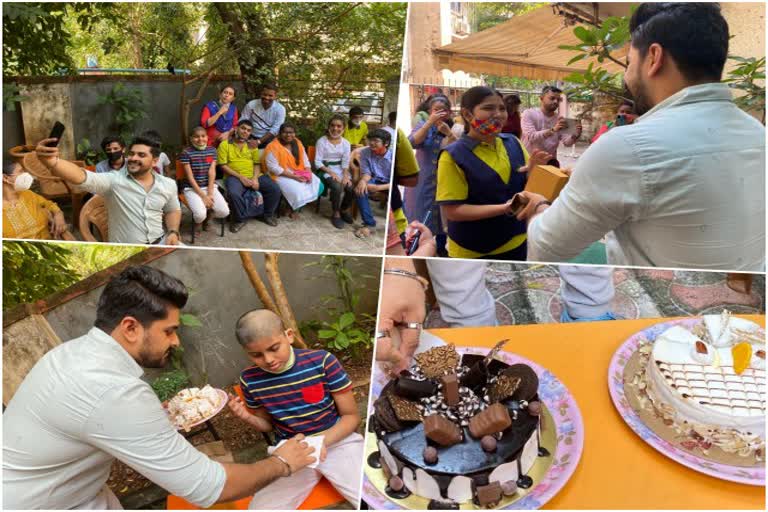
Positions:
{"x": 530, "y": 294}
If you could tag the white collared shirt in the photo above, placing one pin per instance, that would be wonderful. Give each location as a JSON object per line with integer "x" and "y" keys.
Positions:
{"x": 82, "y": 406}
{"x": 683, "y": 187}
{"x": 264, "y": 121}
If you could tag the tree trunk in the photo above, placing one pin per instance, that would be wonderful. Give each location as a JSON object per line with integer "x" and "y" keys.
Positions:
{"x": 258, "y": 284}
{"x": 247, "y": 33}
{"x": 276, "y": 282}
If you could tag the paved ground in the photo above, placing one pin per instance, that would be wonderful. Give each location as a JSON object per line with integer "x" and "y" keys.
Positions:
{"x": 530, "y": 294}
{"x": 313, "y": 231}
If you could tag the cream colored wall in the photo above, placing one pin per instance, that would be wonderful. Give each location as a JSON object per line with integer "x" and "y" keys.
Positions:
{"x": 746, "y": 22}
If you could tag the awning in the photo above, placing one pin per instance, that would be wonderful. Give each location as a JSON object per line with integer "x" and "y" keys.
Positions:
{"x": 526, "y": 46}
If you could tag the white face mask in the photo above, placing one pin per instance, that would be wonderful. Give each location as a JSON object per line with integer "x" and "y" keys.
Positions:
{"x": 23, "y": 182}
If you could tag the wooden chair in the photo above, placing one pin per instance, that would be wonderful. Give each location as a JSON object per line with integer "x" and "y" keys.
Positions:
{"x": 180, "y": 177}
{"x": 53, "y": 187}
{"x": 94, "y": 213}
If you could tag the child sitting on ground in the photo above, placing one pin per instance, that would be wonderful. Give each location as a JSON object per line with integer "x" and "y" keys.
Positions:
{"x": 298, "y": 391}
{"x": 199, "y": 187}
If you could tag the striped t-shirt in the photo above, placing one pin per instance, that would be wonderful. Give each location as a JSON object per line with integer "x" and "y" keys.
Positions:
{"x": 299, "y": 399}
{"x": 200, "y": 161}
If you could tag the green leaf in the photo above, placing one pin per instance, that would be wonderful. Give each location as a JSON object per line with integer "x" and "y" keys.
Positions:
{"x": 577, "y": 58}
{"x": 342, "y": 340}
{"x": 190, "y": 320}
{"x": 584, "y": 34}
{"x": 346, "y": 320}
{"x": 324, "y": 334}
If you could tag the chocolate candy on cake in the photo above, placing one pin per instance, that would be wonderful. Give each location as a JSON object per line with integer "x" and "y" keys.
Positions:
{"x": 438, "y": 360}
{"x": 396, "y": 483}
{"x": 529, "y": 381}
{"x": 509, "y": 487}
{"x": 503, "y": 388}
{"x": 450, "y": 389}
{"x": 412, "y": 389}
{"x": 534, "y": 408}
{"x": 441, "y": 430}
{"x": 430, "y": 455}
{"x": 476, "y": 378}
{"x": 488, "y": 443}
{"x": 495, "y": 418}
{"x": 489, "y": 495}
{"x": 405, "y": 410}
{"x": 385, "y": 415}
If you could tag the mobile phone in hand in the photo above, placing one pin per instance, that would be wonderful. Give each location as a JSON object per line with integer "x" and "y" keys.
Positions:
{"x": 56, "y": 133}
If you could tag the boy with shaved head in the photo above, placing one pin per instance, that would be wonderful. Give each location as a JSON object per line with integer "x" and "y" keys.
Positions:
{"x": 298, "y": 391}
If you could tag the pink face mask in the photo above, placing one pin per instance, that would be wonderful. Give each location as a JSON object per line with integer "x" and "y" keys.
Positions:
{"x": 490, "y": 126}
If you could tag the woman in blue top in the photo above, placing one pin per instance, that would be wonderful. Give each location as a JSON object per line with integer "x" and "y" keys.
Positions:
{"x": 220, "y": 117}
{"x": 428, "y": 138}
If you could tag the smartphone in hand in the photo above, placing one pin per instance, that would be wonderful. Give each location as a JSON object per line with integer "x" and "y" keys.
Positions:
{"x": 56, "y": 133}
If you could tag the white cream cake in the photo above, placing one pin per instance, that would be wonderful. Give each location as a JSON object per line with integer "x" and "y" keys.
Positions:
{"x": 692, "y": 379}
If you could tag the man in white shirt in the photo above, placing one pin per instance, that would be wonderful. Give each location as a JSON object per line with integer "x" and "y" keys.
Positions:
{"x": 266, "y": 115}
{"x": 684, "y": 185}
{"x": 84, "y": 404}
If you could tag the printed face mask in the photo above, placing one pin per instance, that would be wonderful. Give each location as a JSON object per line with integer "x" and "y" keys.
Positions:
{"x": 382, "y": 150}
{"x": 200, "y": 147}
{"x": 23, "y": 182}
{"x": 487, "y": 126}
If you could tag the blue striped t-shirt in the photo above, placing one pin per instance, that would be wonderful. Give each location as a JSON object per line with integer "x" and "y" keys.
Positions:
{"x": 299, "y": 399}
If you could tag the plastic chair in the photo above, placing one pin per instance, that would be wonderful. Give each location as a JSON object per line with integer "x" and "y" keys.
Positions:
{"x": 52, "y": 187}
{"x": 180, "y": 176}
{"x": 94, "y": 213}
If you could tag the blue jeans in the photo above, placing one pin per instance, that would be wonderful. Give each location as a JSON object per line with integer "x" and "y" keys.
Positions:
{"x": 365, "y": 206}
{"x": 566, "y": 318}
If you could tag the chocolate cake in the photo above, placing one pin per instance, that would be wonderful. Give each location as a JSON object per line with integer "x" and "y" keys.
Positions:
{"x": 466, "y": 429}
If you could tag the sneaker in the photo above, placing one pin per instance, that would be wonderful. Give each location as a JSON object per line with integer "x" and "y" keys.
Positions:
{"x": 566, "y": 318}
{"x": 270, "y": 221}
{"x": 236, "y": 226}
{"x": 346, "y": 217}
{"x": 337, "y": 222}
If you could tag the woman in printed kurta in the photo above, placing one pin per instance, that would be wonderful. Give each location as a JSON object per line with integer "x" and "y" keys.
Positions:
{"x": 25, "y": 213}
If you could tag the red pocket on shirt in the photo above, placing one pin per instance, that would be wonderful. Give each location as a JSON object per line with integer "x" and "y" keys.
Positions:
{"x": 313, "y": 394}
{"x": 209, "y": 159}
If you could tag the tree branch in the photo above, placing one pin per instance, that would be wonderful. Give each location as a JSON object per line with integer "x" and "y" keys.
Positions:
{"x": 258, "y": 284}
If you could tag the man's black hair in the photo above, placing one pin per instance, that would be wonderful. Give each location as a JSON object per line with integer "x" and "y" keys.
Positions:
{"x": 695, "y": 34}
{"x": 109, "y": 139}
{"x": 142, "y": 292}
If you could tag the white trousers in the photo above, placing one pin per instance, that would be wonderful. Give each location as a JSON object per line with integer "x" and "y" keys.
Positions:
{"x": 298, "y": 194}
{"x": 343, "y": 467}
{"x": 462, "y": 293}
{"x": 199, "y": 212}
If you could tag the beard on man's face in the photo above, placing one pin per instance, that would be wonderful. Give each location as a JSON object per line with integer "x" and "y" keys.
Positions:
{"x": 149, "y": 359}
{"x": 639, "y": 98}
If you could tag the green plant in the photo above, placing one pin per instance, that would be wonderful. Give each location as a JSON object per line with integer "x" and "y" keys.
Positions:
{"x": 11, "y": 96}
{"x": 599, "y": 42}
{"x": 130, "y": 107}
{"x": 169, "y": 383}
{"x": 88, "y": 154}
{"x": 743, "y": 77}
{"x": 352, "y": 331}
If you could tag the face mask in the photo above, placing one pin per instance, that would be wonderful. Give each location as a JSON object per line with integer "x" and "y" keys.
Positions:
{"x": 381, "y": 151}
{"x": 487, "y": 126}
{"x": 355, "y": 123}
{"x": 114, "y": 157}
{"x": 200, "y": 147}
{"x": 23, "y": 182}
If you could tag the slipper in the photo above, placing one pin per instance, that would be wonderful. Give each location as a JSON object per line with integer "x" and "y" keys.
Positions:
{"x": 364, "y": 232}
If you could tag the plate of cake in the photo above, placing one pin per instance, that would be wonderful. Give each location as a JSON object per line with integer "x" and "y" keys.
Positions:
{"x": 694, "y": 389}
{"x": 469, "y": 428}
{"x": 193, "y": 406}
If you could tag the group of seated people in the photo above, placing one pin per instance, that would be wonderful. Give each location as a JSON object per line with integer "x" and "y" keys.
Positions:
{"x": 653, "y": 186}
{"x": 258, "y": 154}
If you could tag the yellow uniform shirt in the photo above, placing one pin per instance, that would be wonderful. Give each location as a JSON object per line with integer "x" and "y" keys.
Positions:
{"x": 355, "y": 136}
{"x": 405, "y": 165}
{"x": 452, "y": 186}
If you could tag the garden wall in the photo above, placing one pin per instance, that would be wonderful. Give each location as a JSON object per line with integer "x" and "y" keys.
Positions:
{"x": 219, "y": 293}
{"x": 93, "y": 121}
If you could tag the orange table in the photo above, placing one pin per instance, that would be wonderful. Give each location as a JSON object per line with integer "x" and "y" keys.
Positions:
{"x": 618, "y": 470}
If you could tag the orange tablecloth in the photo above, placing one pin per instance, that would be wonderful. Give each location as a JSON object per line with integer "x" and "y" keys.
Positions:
{"x": 618, "y": 470}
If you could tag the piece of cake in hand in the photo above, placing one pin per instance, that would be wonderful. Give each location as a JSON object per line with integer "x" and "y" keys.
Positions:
{"x": 479, "y": 437}
{"x": 298, "y": 391}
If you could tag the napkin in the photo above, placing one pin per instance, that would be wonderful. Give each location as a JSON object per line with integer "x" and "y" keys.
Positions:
{"x": 314, "y": 441}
